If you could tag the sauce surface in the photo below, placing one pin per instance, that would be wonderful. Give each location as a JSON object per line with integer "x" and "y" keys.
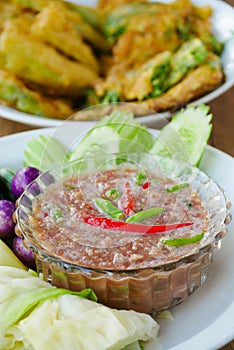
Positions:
{"x": 59, "y": 227}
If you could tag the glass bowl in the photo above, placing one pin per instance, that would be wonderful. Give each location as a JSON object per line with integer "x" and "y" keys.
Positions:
{"x": 126, "y": 270}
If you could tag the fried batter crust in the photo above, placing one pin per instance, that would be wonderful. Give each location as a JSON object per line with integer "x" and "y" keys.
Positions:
{"x": 63, "y": 34}
{"x": 197, "y": 82}
{"x": 14, "y": 93}
{"x": 37, "y": 63}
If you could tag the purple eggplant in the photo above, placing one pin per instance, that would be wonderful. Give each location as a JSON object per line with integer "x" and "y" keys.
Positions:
{"x": 22, "y": 178}
{"x": 24, "y": 254}
{"x": 7, "y": 224}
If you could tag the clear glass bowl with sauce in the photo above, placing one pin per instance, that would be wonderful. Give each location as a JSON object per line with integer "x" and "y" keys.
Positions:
{"x": 128, "y": 269}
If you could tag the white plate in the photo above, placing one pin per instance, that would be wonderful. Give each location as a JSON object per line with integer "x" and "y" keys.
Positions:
{"x": 205, "y": 320}
{"x": 222, "y": 19}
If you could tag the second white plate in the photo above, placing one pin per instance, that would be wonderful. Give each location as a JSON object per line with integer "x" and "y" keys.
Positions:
{"x": 222, "y": 23}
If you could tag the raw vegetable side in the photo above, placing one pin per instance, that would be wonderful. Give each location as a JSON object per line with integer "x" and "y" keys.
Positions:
{"x": 35, "y": 315}
{"x": 187, "y": 125}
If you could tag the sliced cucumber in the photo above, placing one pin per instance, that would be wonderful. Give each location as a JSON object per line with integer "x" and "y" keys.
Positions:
{"x": 186, "y": 136}
{"x": 44, "y": 153}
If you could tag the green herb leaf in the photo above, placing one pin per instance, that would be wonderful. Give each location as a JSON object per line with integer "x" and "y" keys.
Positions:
{"x": 113, "y": 193}
{"x": 177, "y": 242}
{"x": 140, "y": 178}
{"x": 177, "y": 187}
{"x": 144, "y": 215}
{"x": 108, "y": 208}
{"x": 57, "y": 215}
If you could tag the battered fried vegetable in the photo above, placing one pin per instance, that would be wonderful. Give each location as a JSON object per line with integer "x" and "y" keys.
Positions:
{"x": 107, "y": 6}
{"x": 190, "y": 55}
{"x": 37, "y": 63}
{"x": 203, "y": 79}
{"x": 63, "y": 34}
{"x": 155, "y": 76}
{"x": 14, "y": 93}
{"x": 152, "y": 54}
{"x": 136, "y": 83}
{"x": 140, "y": 30}
{"x": 36, "y": 5}
{"x": 90, "y": 14}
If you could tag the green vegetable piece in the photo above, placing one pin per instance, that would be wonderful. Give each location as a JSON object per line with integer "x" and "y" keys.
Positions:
{"x": 90, "y": 14}
{"x": 178, "y": 242}
{"x": 45, "y": 152}
{"x": 108, "y": 208}
{"x": 134, "y": 346}
{"x": 120, "y": 131}
{"x": 119, "y": 19}
{"x": 113, "y": 193}
{"x": 177, "y": 187}
{"x": 110, "y": 97}
{"x": 144, "y": 215}
{"x": 57, "y": 215}
{"x": 186, "y": 136}
{"x": 8, "y": 258}
{"x": 140, "y": 178}
{"x": 14, "y": 308}
{"x": 190, "y": 55}
{"x": 6, "y": 176}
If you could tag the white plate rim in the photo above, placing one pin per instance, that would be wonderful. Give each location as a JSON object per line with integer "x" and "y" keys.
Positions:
{"x": 217, "y": 333}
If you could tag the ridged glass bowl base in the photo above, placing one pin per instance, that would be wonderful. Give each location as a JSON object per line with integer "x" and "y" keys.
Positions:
{"x": 159, "y": 288}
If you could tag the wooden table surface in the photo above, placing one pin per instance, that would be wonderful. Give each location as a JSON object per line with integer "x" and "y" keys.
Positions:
{"x": 222, "y": 135}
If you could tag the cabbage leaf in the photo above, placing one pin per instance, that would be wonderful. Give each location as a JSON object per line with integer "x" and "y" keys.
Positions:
{"x": 35, "y": 315}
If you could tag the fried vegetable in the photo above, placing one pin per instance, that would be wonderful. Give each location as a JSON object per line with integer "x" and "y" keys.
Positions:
{"x": 106, "y": 6}
{"x": 156, "y": 75}
{"x": 52, "y": 71}
{"x": 62, "y": 33}
{"x": 148, "y": 79}
{"x": 118, "y": 51}
{"x": 14, "y": 93}
{"x": 197, "y": 82}
{"x": 139, "y": 30}
{"x": 190, "y": 55}
{"x": 90, "y": 14}
{"x": 127, "y": 16}
{"x": 36, "y": 5}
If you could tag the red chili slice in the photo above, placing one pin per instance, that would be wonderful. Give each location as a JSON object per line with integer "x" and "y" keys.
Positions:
{"x": 128, "y": 201}
{"x": 146, "y": 185}
{"x": 107, "y": 223}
